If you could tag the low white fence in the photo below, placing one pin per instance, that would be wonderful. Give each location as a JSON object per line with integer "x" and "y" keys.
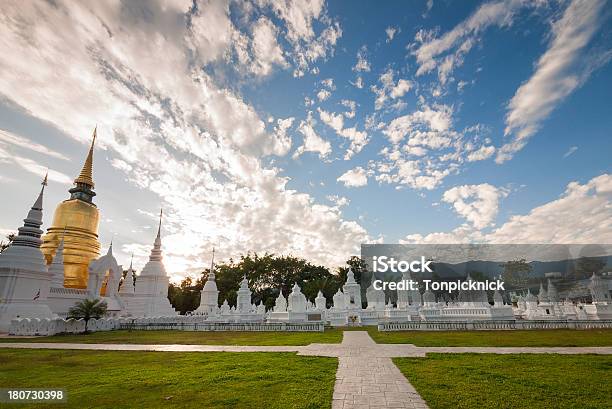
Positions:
{"x": 222, "y": 326}
{"x": 493, "y": 325}
{"x": 46, "y": 326}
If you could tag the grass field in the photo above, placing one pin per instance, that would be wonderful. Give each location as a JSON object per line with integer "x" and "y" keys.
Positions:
{"x": 169, "y": 379}
{"x": 330, "y": 336}
{"x": 460, "y": 381}
{"x": 515, "y": 338}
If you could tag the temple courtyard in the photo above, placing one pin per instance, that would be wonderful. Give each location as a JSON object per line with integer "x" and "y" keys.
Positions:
{"x": 337, "y": 369}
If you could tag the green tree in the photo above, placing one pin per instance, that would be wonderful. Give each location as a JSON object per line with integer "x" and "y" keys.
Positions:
{"x": 88, "y": 309}
{"x": 516, "y": 273}
{"x": 5, "y": 244}
{"x": 185, "y": 296}
{"x": 267, "y": 274}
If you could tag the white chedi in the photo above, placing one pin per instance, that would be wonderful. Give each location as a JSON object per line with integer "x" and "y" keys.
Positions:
{"x": 24, "y": 277}
{"x": 151, "y": 292}
{"x": 243, "y": 299}
{"x": 280, "y": 304}
{"x": 352, "y": 291}
{"x": 339, "y": 301}
{"x": 375, "y": 297}
{"x": 296, "y": 301}
{"x": 599, "y": 290}
{"x": 209, "y": 296}
{"x": 127, "y": 287}
{"x": 320, "y": 302}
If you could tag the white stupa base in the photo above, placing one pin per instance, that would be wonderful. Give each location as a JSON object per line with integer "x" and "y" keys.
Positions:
{"x": 148, "y": 306}
{"x": 14, "y": 310}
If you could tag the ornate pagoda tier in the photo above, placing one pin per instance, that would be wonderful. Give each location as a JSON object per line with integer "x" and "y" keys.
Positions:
{"x": 24, "y": 278}
{"x": 76, "y": 220}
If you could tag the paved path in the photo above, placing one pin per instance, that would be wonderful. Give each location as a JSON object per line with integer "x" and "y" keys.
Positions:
{"x": 366, "y": 380}
{"x": 366, "y": 376}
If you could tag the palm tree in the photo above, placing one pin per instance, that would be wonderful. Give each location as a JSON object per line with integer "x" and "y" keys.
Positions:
{"x": 88, "y": 309}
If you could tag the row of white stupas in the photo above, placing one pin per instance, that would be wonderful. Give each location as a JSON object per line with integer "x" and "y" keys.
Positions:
{"x": 31, "y": 289}
{"x": 549, "y": 306}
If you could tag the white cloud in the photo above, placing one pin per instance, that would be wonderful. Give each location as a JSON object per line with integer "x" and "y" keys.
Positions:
{"x": 312, "y": 141}
{"x": 358, "y": 82}
{"x": 362, "y": 64}
{"x": 9, "y": 138}
{"x": 171, "y": 126}
{"x": 328, "y": 83}
{"x": 437, "y": 119}
{"x": 390, "y": 89}
{"x": 559, "y": 71}
{"x": 482, "y": 153}
{"x": 266, "y": 50}
{"x": 582, "y": 215}
{"x": 299, "y": 17}
{"x": 570, "y": 151}
{"x": 354, "y": 178}
{"x": 323, "y": 94}
{"x": 336, "y": 121}
{"x": 390, "y": 32}
{"x": 351, "y": 105}
{"x": 479, "y": 204}
{"x": 33, "y": 167}
{"x": 429, "y": 51}
{"x": 425, "y": 148}
{"x": 280, "y": 130}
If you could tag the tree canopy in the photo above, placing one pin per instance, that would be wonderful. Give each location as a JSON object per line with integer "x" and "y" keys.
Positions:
{"x": 267, "y": 275}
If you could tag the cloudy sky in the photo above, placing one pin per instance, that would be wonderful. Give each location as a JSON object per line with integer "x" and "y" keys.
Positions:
{"x": 307, "y": 128}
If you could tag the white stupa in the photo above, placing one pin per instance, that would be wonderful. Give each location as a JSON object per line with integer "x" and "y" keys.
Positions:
{"x": 209, "y": 296}
{"x": 243, "y": 299}
{"x": 296, "y": 301}
{"x": 24, "y": 278}
{"x": 375, "y": 297}
{"x": 127, "y": 287}
{"x": 352, "y": 291}
{"x": 151, "y": 292}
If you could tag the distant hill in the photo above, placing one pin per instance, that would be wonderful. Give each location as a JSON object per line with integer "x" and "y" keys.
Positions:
{"x": 494, "y": 268}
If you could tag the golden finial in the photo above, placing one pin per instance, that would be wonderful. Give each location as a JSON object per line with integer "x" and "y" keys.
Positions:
{"x": 85, "y": 177}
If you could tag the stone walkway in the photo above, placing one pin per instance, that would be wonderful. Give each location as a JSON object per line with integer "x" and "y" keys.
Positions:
{"x": 366, "y": 376}
{"x": 366, "y": 380}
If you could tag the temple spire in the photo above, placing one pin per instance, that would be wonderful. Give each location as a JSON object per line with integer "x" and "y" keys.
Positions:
{"x": 160, "y": 220}
{"x": 156, "y": 251}
{"x": 86, "y": 175}
{"x": 29, "y": 234}
{"x": 39, "y": 201}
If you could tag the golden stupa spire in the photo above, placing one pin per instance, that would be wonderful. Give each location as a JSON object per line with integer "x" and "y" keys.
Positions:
{"x": 85, "y": 177}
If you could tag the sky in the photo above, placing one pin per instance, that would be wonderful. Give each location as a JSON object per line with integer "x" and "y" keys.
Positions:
{"x": 311, "y": 127}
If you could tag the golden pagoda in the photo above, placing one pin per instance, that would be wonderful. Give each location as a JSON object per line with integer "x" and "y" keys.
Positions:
{"x": 76, "y": 220}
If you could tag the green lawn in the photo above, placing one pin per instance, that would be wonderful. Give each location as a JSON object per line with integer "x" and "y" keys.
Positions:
{"x": 104, "y": 379}
{"x": 330, "y": 336}
{"x": 511, "y": 381}
{"x": 515, "y": 338}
